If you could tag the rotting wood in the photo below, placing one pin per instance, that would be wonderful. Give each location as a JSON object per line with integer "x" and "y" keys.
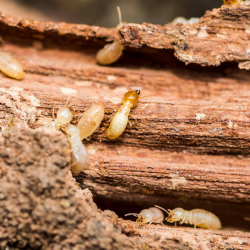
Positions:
{"x": 222, "y": 35}
{"x": 197, "y": 110}
{"x": 155, "y": 236}
{"x": 41, "y": 207}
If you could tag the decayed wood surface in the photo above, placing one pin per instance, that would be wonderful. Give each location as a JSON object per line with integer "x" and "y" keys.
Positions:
{"x": 42, "y": 208}
{"x": 225, "y": 30}
{"x": 197, "y": 110}
{"x": 155, "y": 236}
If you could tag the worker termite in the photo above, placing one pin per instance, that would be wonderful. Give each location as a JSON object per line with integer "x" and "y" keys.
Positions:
{"x": 197, "y": 217}
{"x": 91, "y": 120}
{"x": 63, "y": 116}
{"x": 10, "y": 66}
{"x": 183, "y": 20}
{"x": 111, "y": 52}
{"x": 150, "y": 215}
{"x": 79, "y": 153}
{"x": 120, "y": 120}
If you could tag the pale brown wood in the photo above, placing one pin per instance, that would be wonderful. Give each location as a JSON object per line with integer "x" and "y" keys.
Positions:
{"x": 220, "y": 36}
{"x": 188, "y": 145}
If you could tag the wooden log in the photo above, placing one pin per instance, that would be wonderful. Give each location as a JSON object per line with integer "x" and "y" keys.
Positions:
{"x": 154, "y": 237}
{"x": 197, "y": 110}
{"x": 220, "y": 36}
{"x": 42, "y": 208}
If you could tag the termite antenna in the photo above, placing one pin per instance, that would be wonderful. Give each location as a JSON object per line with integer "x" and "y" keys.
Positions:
{"x": 119, "y": 15}
{"x": 147, "y": 96}
{"x": 133, "y": 214}
{"x": 127, "y": 87}
{"x": 67, "y": 102}
{"x": 53, "y": 114}
{"x": 163, "y": 209}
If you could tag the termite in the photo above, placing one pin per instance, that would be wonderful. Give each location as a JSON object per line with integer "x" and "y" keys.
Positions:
{"x": 79, "y": 153}
{"x": 10, "y": 66}
{"x": 91, "y": 120}
{"x": 63, "y": 116}
{"x": 120, "y": 120}
{"x": 150, "y": 215}
{"x": 183, "y": 20}
{"x": 197, "y": 217}
{"x": 111, "y": 52}
{"x": 232, "y": 1}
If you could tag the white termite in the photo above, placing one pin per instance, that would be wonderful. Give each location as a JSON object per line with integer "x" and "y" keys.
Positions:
{"x": 63, "y": 116}
{"x": 183, "y": 20}
{"x": 150, "y": 215}
{"x": 111, "y": 52}
{"x": 197, "y": 217}
{"x": 91, "y": 120}
{"x": 78, "y": 151}
{"x": 10, "y": 66}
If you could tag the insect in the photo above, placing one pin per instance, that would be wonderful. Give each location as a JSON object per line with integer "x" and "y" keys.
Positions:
{"x": 120, "y": 120}
{"x": 183, "y": 20}
{"x": 111, "y": 52}
{"x": 150, "y": 215}
{"x": 232, "y": 1}
{"x": 197, "y": 217}
{"x": 63, "y": 116}
{"x": 78, "y": 151}
{"x": 10, "y": 66}
{"x": 91, "y": 120}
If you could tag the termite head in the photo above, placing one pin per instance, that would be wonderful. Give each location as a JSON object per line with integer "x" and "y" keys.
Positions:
{"x": 232, "y": 1}
{"x": 132, "y": 97}
{"x": 175, "y": 215}
{"x": 65, "y": 115}
{"x": 145, "y": 216}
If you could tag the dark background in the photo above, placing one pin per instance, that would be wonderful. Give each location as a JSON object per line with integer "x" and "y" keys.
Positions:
{"x": 103, "y": 12}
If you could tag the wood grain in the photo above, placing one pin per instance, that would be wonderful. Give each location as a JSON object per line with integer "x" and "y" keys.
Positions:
{"x": 188, "y": 145}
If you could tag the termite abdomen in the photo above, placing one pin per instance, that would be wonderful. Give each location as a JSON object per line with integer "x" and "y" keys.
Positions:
{"x": 78, "y": 150}
{"x": 110, "y": 53}
{"x": 10, "y": 66}
{"x": 197, "y": 217}
{"x": 91, "y": 120}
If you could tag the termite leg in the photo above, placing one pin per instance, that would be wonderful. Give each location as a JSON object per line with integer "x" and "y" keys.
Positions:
{"x": 53, "y": 113}
{"x": 136, "y": 122}
{"x": 68, "y": 100}
{"x": 127, "y": 87}
{"x": 182, "y": 220}
{"x": 129, "y": 124}
{"x": 175, "y": 223}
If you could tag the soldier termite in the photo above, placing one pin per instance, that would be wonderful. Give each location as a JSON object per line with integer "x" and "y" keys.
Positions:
{"x": 232, "y": 1}
{"x": 111, "y": 52}
{"x": 10, "y": 66}
{"x": 120, "y": 120}
{"x": 197, "y": 217}
{"x": 91, "y": 120}
{"x": 150, "y": 215}
{"x": 79, "y": 153}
